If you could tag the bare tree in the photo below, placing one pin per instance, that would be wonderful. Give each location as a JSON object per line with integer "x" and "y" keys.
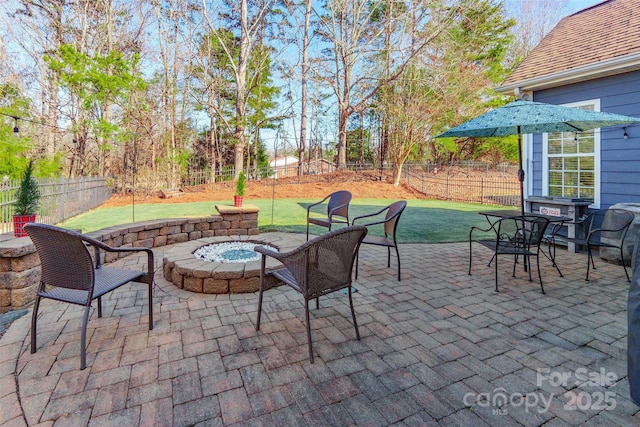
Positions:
{"x": 303, "y": 96}
{"x": 170, "y": 17}
{"x": 209, "y": 87}
{"x": 408, "y": 107}
{"x": 534, "y": 19}
{"x": 449, "y": 79}
{"x": 355, "y": 30}
{"x": 250, "y": 19}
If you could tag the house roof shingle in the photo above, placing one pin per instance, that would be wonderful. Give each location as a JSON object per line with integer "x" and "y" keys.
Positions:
{"x": 601, "y": 33}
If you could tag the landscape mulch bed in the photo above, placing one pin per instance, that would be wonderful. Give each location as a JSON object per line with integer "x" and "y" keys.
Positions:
{"x": 363, "y": 184}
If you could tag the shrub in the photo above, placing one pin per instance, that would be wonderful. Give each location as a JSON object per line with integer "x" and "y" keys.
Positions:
{"x": 240, "y": 184}
{"x": 28, "y": 194}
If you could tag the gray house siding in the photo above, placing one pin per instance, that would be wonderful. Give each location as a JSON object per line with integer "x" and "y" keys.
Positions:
{"x": 619, "y": 158}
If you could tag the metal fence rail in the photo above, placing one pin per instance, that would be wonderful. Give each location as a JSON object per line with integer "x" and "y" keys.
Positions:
{"x": 286, "y": 174}
{"x": 467, "y": 182}
{"x": 503, "y": 191}
{"x": 61, "y": 199}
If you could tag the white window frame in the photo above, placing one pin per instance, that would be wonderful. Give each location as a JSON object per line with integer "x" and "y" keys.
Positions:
{"x": 596, "y": 155}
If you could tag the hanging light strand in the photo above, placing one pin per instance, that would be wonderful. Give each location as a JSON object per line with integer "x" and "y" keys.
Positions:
{"x": 16, "y": 129}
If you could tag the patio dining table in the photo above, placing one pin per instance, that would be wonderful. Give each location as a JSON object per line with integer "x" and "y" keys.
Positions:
{"x": 556, "y": 220}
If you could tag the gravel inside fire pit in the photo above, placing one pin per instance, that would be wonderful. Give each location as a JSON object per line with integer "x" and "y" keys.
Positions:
{"x": 230, "y": 252}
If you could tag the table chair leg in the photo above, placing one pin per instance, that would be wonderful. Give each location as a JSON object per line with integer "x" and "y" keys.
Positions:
{"x": 306, "y": 309}
{"x": 83, "y": 338}
{"x": 539, "y": 275}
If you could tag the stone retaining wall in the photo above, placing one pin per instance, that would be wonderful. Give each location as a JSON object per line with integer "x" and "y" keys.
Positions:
{"x": 20, "y": 265}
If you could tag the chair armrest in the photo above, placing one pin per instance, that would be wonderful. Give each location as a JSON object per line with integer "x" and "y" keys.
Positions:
{"x": 336, "y": 208}
{"x": 370, "y": 223}
{"x": 280, "y": 256}
{"x": 267, "y": 252}
{"x": 483, "y": 230}
{"x": 370, "y": 215}
{"x": 294, "y": 261}
{"x": 496, "y": 229}
{"x": 100, "y": 245}
{"x": 598, "y": 231}
{"x": 316, "y": 204}
{"x": 555, "y": 228}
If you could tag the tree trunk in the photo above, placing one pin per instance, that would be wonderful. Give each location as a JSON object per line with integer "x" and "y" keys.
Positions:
{"x": 255, "y": 153}
{"x": 397, "y": 172}
{"x": 342, "y": 139}
{"x": 212, "y": 142}
{"x": 241, "y": 88}
{"x": 303, "y": 101}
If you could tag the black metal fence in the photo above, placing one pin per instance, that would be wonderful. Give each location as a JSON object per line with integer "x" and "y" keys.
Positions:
{"x": 468, "y": 182}
{"x": 494, "y": 190}
{"x": 61, "y": 198}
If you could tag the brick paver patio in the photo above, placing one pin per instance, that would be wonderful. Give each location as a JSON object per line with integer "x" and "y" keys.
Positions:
{"x": 438, "y": 348}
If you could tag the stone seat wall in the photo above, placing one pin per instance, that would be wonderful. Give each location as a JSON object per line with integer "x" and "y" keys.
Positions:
{"x": 20, "y": 264}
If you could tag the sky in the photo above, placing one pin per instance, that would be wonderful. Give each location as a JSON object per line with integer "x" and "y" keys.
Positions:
{"x": 576, "y": 5}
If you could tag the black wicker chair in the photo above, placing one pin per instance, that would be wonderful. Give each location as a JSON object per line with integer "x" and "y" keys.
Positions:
{"x": 518, "y": 236}
{"x": 337, "y": 210}
{"x": 390, "y": 225}
{"x": 319, "y": 267}
{"x": 70, "y": 274}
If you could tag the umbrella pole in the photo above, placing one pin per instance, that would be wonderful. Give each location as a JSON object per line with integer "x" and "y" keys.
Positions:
{"x": 520, "y": 172}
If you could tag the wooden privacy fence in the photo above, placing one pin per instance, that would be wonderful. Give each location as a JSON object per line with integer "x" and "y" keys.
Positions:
{"x": 494, "y": 190}
{"x": 62, "y": 198}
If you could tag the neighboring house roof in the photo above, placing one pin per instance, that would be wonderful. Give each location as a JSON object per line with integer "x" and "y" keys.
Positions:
{"x": 599, "y": 41}
{"x": 283, "y": 161}
{"x": 321, "y": 161}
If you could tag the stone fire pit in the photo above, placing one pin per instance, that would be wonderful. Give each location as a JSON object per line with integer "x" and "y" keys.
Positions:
{"x": 183, "y": 269}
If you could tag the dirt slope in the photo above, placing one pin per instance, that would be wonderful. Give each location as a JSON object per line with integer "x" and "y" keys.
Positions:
{"x": 365, "y": 188}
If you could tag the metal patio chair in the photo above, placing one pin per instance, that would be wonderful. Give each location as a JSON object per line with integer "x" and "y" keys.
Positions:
{"x": 518, "y": 236}
{"x": 318, "y": 267}
{"x": 554, "y": 234}
{"x": 337, "y": 210}
{"x": 70, "y": 274}
{"x": 607, "y": 228}
{"x": 390, "y": 225}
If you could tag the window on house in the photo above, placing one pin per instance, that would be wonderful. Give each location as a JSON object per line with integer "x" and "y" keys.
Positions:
{"x": 571, "y": 164}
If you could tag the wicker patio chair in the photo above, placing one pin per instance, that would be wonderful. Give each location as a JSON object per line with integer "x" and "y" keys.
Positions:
{"x": 390, "y": 225}
{"x": 337, "y": 210}
{"x": 518, "y": 236}
{"x": 70, "y": 274}
{"x": 319, "y": 267}
{"x": 606, "y": 228}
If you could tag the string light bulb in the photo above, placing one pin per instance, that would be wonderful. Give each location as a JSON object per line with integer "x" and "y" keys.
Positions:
{"x": 15, "y": 128}
{"x": 625, "y": 135}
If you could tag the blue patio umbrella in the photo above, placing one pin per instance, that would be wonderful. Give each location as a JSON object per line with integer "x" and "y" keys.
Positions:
{"x": 521, "y": 116}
